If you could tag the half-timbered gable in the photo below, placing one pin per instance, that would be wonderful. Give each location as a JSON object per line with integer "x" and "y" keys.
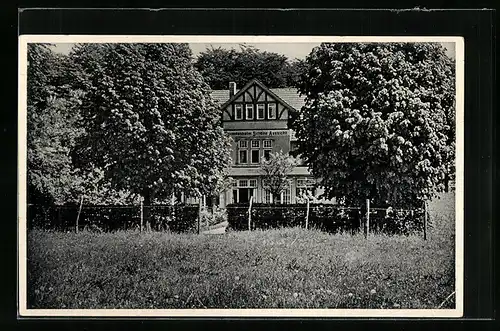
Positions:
{"x": 256, "y": 118}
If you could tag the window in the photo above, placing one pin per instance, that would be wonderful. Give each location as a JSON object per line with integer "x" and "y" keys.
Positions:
{"x": 260, "y": 111}
{"x": 238, "y": 109}
{"x": 247, "y": 183}
{"x": 268, "y": 143}
{"x": 286, "y": 197}
{"x": 249, "y": 109}
{"x": 245, "y": 190}
{"x": 255, "y": 143}
{"x": 271, "y": 111}
{"x": 305, "y": 187}
{"x": 267, "y": 153}
{"x": 243, "y": 144}
{"x": 243, "y": 156}
{"x": 255, "y": 156}
{"x": 268, "y": 197}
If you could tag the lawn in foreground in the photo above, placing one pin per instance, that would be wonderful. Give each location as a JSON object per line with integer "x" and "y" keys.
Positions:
{"x": 286, "y": 268}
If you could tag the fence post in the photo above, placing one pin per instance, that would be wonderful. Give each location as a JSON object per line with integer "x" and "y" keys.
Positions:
{"x": 425, "y": 220}
{"x": 78, "y": 216}
{"x": 199, "y": 215}
{"x": 173, "y": 213}
{"x": 142, "y": 215}
{"x": 307, "y": 214}
{"x": 367, "y": 225}
{"x": 59, "y": 219}
{"x": 250, "y": 214}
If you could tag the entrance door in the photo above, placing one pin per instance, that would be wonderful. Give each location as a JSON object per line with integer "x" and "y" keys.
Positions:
{"x": 245, "y": 194}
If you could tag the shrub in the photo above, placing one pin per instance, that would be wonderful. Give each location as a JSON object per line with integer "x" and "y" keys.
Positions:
{"x": 178, "y": 218}
{"x": 396, "y": 221}
{"x": 325, "y": 217}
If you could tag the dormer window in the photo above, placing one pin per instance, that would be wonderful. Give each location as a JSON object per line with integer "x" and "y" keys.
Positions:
{"x": 249, "y": 110}
{"x": 271, "y": 111}
{"x": 238, "y": 112}
{"x": 260, "y": 111}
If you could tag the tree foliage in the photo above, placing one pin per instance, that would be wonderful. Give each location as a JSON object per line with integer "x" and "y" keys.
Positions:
{"x": 150, "y": 123}
{"x": 54, "y": 96}
{"x": 51, "y": 132}
{"x": 275, "y": 171}
{"x": 379, "y": 120}
{"x": 220, "y": 66}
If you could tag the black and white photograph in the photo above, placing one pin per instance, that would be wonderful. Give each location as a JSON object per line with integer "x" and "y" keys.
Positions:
{"x": 241, "y": 176}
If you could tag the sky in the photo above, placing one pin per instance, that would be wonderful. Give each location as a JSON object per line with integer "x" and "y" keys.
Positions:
{"x": 291, "y": 50}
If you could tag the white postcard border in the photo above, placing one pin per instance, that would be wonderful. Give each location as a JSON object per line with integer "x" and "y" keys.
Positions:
{"x": 23, "y": 311}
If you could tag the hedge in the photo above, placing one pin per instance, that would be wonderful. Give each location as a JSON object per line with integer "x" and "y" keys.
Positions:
{"x": 325, "y": 217}
{"x": 179, "y": 218}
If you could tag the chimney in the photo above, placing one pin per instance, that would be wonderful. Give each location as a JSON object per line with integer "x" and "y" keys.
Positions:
{"x": 232, "y": 89}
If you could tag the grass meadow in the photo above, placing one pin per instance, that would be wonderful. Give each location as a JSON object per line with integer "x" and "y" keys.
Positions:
{"x": 285, "y": 268}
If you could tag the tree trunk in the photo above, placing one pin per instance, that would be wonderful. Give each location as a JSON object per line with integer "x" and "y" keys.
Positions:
{"x": 447, "y": 183}
{"x": 148, "y": 201}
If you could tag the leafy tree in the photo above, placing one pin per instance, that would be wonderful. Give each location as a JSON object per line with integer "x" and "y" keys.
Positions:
{"x": 54, "y": 94}
{"x": 275, "y": 171}
{"x": 50, "y": 127}
{"x": 378, "y": 121}
{"x": 220, "y": 66}
{"x": 294, "y": 71}
{"x": 150, "y": 122}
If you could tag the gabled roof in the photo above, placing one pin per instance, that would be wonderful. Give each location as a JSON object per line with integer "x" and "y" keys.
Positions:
{"x": 291, "y": 96}
{"x": 221, "y": 96}
{"x": 287, "y": 95}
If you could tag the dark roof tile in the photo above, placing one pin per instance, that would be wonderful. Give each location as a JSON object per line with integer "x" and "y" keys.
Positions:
{"x": 220, "y": 96}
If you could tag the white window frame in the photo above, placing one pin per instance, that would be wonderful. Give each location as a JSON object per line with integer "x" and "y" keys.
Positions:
{"x": 243, "y": 144}
{"x": 301, "y": 182}
{"x": 263, "y": 111}
{"x": 270, "y": 144}
{"x": 269, "y": 105}
{"x": 266, "y": 192}
{"x": 239, "y": 156}
{"x": 247, "y": 183}
{"x": 251, "y": 156}
{"x": 236, "y": 106}
{"x": 248, "y": 106}
{"x": 257, "y": 145}
{"x": 283, "y": 200}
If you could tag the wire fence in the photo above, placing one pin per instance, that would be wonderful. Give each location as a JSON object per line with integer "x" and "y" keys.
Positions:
{"x": 176, "y": 218}
{"x": 330, "y": 218}
{"x": 188, "y": 218}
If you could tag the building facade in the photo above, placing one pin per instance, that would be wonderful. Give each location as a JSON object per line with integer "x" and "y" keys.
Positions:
{"x": 256, "y": 118}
